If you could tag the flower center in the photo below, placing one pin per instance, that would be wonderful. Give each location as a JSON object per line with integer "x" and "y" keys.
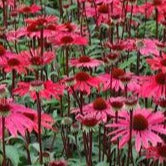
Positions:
{"x": 117, "y": 73}
{"x": 163, "y": 62}
{"x": 84, "y": 59}
{"x": 36, "y": 60}
{"x": 41, "y": 21}
{"x": 115, "y": 16}
{"x": 162, "y": 150}
{"x": 2, "y": 50}
{"x": 99, "y": 104}
{"x": 36, "y": 83}
{"x": 13, "y": 62}
{"x": 90, "y": 121}
{"x": 36, "y": 86}
{"x": 139, "y": 44}
{"x": 130, "y": 101}
{"x": 162, "y": 103}
{"x": 160, "y": 45}
{"x": 140, "y": 123}
{"x": 3, "y": 91}
{"x": 125, "y": 78}
{"x": 52, "y": 27}
{"x": 32, "y": 28}
{"x": 26, "y": 9}
{"x": 117, "y": 47}
{"x": 37, "y": 25}
{"x": 69, "y": 27}
{"x": 157, "y": 2}
{"x": 161, "y": 78}
{"x": 67, "y": 39}
{"x": 103, "y": 9}
{"x": 116, "y": 104}
{"x": 82, "y": 76}
{"x": 112, "y": 56}
{"x": 4, "y": 109}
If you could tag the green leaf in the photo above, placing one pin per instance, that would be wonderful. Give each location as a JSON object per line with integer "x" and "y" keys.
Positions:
{"x": 130, "y": 61}
{"x": 12, "y": 154}
{"x": 103, "y": 163}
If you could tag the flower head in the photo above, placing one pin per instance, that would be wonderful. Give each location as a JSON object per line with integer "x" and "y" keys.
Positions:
{"x": 156, "y": 152}
{"x": 15, "y": 120}
{"x": 152, "y": 85}
{"x": 84, "y": 81}
{"x": 45, "y": 89}
{"x": 85, "y": 61}
{"x": 146, "y": 127}
{"x": 68, "y": 39}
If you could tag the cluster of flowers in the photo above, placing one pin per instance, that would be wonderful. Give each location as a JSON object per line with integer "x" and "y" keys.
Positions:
{"x": 55, "y": 45}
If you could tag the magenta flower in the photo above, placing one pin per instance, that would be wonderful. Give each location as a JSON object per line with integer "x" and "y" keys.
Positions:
{"x": 147, "y": 47}
{"x": 47, "y": 121}
{"x": 15, "y": 120}
{"x": 84, "y": 81}
{"x": 85, "y": 61}
{"x": 118, "y": 79}
{"x": 157, "y": 153}
{"x": 66, "y": 39}
{"x": 14, "y": 62}
{"x": 99, "y": 106}
{"x": 88, "y": 120}
{"x": 34, "y": 59}
{"x": 146, "y": 128}
{"x": 152, "y": 85}
{"x": 158, "y": 63}
{"x": 16, "y": 34}
{"x": 32, "y": 9}
{"x": 46, "y": 89}
{"x": 42, "y": 22}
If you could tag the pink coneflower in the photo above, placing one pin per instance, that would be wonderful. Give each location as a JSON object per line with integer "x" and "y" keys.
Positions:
{"x": 45, "y": 89}
{"x": 15, "y": 120}
{"x": 16, "y": 34}
{"x": 131, "y": 102}
{"x": 68, "y": 27}
{"x": 158, "y": 63}
{"x": 116, "y": 47}
{"x": 147, "y": 47}
{"x": 111, "y": 58}
{"x": 116, "y": 80}
{"x": 85, "y": 61}
{"x": 84, "y": 81}
{"x": 42, "y": 20}
{"x": 88, "y": 120}
{"x": 116, "y": 103}
{"x": 145, "y": 128}
{"x": 152, "y": 85}
{"x": 68, "y": 39}
{"x": 38, "y": 24}
{"x": 120, "y": 80}
{"x": 99, "y": 106}
{"x": 160, "y": 102}
{"x": 157, "y": 152}
{"x": 4, "y": 53}
{"x": 32, "y": 9}
{"x": 113, "y": 81}
{"x": 35, "y": 60}
{"x": 47, "y": 121}
{"x": 14, "y": 62}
